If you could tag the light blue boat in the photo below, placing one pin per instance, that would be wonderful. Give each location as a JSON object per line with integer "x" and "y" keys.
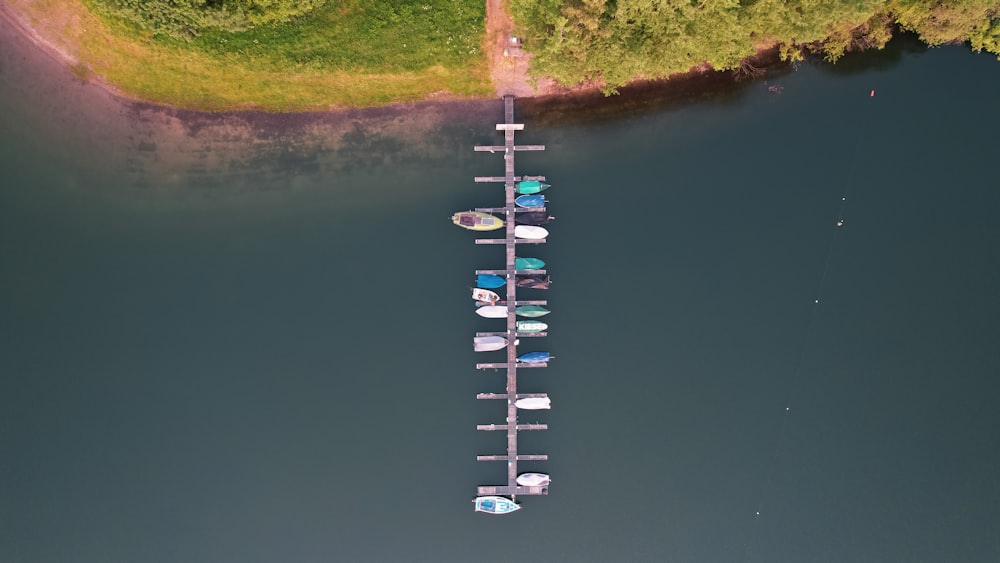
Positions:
{"x": 530, "y": 201}
{"x": 496, "y": 505}
{"x": 528, "y": 264}
{"x": 534, "y": 358}
{"x": 531, "y": 187}
{"x": 489, "y": 281}
{"x": 531, "y": 311}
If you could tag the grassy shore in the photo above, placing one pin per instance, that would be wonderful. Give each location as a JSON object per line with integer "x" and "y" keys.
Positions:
{"x": 347, "y": 54}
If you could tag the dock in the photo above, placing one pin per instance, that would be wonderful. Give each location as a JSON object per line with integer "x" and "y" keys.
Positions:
{"x": 511, "y": 426}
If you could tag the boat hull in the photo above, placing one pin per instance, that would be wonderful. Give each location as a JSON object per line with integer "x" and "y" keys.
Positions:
{"x": 533, "y": 403}
{"x": 533, "y": 480}
{"x": 530, "y": 232}
{"x": 533, "y": 281}
{"x": 484, "y": 295}
{"x": 531, "y": 326}
{"x": 529, "y": 263}
{"x": 531, "y": 187}
{"x": 534, "y": 358}
{"x": 531, "y": 311}
{"x": 496, "y": 505}
{"x": 477, "y": 221}
{"x": 529, "y": 201}
{"x": 489, "y": 281}
{"x": 488, "y": 343}
{"x": 492, "y": 312}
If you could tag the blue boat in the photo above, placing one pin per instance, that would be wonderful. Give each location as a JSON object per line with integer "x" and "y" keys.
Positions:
{"x": 534, "y": 357}
{"x": 496, "y": 505}
{"x": 489, "y": 281}
{"x": 531, "y": 187}
{"x": 530, "y": 201}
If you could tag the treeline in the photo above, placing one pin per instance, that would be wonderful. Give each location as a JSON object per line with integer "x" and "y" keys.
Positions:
{"x": 613, "y": 42}
{"x": 186, "y": 19}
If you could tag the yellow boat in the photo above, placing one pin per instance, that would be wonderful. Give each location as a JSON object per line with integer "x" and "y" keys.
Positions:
{"x": 477, "y": 221}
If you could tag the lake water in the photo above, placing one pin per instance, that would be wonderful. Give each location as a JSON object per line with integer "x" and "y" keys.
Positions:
{"x": 251, "y": 340}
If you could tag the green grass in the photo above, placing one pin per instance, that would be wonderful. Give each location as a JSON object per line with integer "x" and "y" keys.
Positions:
{"x": 350, "y": 53}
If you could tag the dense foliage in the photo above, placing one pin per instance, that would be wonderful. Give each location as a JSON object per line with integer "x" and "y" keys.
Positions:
{"x": 611, "y": 42}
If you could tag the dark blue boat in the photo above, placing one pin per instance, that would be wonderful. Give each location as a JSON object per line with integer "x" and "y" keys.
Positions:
{"x": 530, "y": 201}
{"x": 533, "y": 218}
{"x": 489, "y": 281}
{"x": 534, "y": 357}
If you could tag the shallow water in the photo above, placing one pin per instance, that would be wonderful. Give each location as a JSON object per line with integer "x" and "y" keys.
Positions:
{"x": 250, "y": 339}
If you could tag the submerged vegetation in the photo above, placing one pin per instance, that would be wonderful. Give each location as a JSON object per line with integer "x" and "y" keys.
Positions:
{"x": 612, "y": 42}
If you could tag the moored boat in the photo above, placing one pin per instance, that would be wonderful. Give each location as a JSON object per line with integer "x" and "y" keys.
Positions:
{"x": 492, "y": 312}
{"x": 532, "y": 200}
{"x": 496, "y": 505}
{"x": 533, "y": 479}
{"x": 477, "y": 221}
{"x": 531, "y": 326}
{"x": 531, "y": 186}
{"x": 488, "y": 343}
{"x": 533, "y": 218}
{"x": 484, "y": 295}
{"x": 530, "y": 232}
{"x": 489, "y": 281}
{"x": 534, "y": 358}
{"x": 531, "y": 311}
{"x": 533, "y": 403}
{"x": 529, "y": 263}
{"x": 533, "y": 281}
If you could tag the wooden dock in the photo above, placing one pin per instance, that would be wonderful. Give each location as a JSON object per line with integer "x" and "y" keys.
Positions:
{"x": 511, "y": 425}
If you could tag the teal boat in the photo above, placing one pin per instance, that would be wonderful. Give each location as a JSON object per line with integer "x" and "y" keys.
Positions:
{"x": 531, "y": 326}
{"x": 528, "y": 264}
{"x": 531, "y": 187}
{"x": 532, "y": 311}
{"x": 496, "y": 505}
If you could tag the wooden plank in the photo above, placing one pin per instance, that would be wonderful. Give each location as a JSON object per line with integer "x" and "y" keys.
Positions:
{"x": 512, "y": 491}
{"x": 505, "y": 365}
{"x": 510, "y": 127}
{"x": 492, "y": 427}
{"x": 522, "y": 457}
{"x": 504, "y": 272}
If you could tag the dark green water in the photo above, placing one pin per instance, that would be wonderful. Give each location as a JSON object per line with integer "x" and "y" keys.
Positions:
{"x": 254, "y": 344}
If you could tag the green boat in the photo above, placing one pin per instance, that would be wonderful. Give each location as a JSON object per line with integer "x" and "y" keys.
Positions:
{"x": 528, "y": 264}
{"x": 531, "y": 326}
{"x": 532, "y": 311}
{"x": 531, "y": 187}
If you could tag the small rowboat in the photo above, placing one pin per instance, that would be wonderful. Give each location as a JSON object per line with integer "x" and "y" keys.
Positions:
{"x": 528, "y": 264}
{"x": 530, "y": 201}
{"x": 530, "y": 232}
{"x": 531, "y": 311}
{"x": 477, "y": 221}
{"x": 531, "y": 326}
{"x": 488, "y": 343}
{"x": 533, "y": 403}
{"x": 534, "y": 358}
{"x": 489, "y": 281}
{"x": 533, "y": 479}
{"x": 533, "y": 218}
{"x": 533, "y": 281}
{"x": 531, "y": 187}
{"x": 496, "y": 505}
{"x": 484, "y": 295}
{"x": 492, "y": 312}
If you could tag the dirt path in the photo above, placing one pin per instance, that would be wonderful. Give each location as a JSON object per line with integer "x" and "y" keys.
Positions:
{"x": 508, "y": 62}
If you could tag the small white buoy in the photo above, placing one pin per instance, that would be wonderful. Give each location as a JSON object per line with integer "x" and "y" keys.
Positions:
{"x": 758, "y": 513}
{"x": 840, "y": 223}
{"x": 817, "y": 301}
{"x": 788, "y": 409}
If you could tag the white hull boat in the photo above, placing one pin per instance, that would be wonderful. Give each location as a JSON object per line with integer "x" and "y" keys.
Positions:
{"x": 534, "y": 403}
{"x": 530, "y": 232}
{"x": 492, "y": 312}
{"x": 489, "y": 343}
{"x": 485, "y": 295}
{"x": 533, "y": 479}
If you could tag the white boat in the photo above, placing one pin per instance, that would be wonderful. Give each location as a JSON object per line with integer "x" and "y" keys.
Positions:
{"x": 530, "y": 232}
{"x": 485, "y": 295}
{"x": 496, "y": 505}
{"x": 533, "y": 479}
{"x": 488, "y": 343}
{"x": 533, "y": 403}
{"x": 492, "y": 312}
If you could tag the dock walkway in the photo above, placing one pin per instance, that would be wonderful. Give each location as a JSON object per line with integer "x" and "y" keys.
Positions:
{"x": 511, "y": 426}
